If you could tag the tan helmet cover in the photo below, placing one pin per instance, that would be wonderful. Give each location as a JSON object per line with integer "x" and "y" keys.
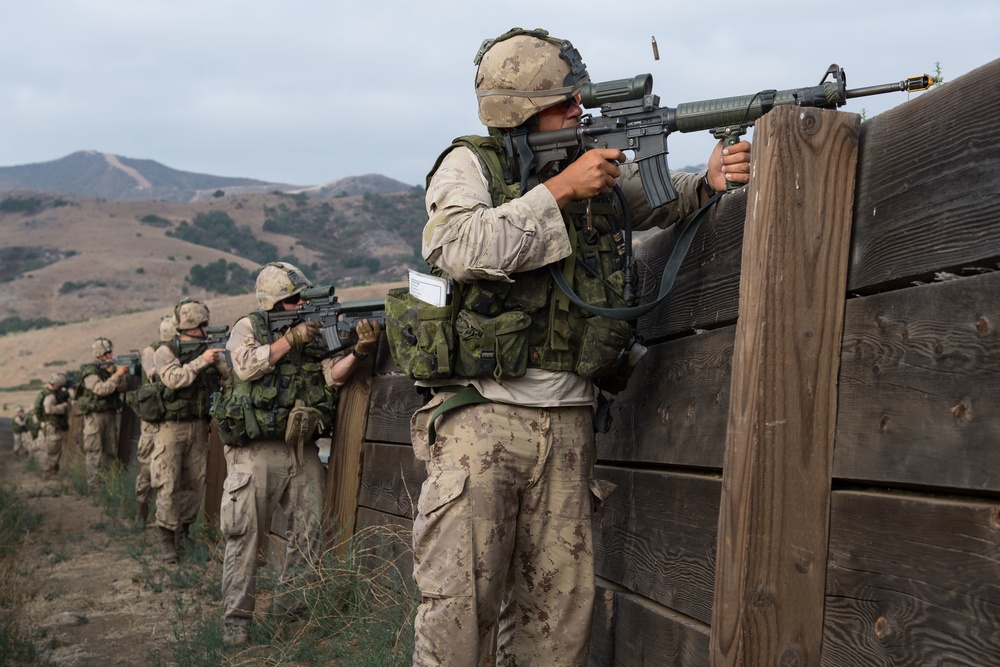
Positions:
{"x": 167, "y": 329}
{"x": 523, "y": 72}
{"x": 101, "y": 346}
{"x": 188, "y": 314}
{"x": 57, "y": 379}
{"x": 277, "y": 281}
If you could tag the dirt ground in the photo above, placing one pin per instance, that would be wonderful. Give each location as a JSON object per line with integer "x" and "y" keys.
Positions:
{"x": 100, "y": 597}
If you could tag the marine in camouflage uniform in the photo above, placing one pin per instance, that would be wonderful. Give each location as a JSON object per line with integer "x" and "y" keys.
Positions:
{"x": 277, "y": 469}
{"x": 53, "y": 418}
{"x": 502, "y": 538}
{"x": 20, "y": 431}
{"x": 147, "y": 430}
{"x": 179, "y": 461}
{"x": 98, "y": 396}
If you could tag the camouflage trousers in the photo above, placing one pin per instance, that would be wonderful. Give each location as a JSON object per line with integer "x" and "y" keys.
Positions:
{"x": 177, "y": 470}
{"x": 503, "y": 536}
{"x": 21, "y": 442}
{"x": 143, "y": 485}
{"x": 100, "y": 444}
{"x": 263, "y": 477}
{"x": 49, "y": 448}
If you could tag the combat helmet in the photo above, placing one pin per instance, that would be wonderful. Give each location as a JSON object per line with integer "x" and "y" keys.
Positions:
{"x": 278, "y": 281}
{"x": 167, "y": 329}
{"x": 101, "y": 346}
{"x": 189, "y": 314}
{"x": 522, "y": 72}
{"x": 57, "y": 379}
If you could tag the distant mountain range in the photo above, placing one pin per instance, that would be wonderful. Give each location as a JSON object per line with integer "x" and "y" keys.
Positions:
{"x": 117, "y": 178}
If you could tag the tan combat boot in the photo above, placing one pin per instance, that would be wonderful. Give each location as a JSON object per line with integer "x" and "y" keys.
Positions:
{"x": 168, "y": 552}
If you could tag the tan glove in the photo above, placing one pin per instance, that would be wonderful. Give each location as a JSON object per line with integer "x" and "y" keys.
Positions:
{"x": 303, "y": 333}
{"x": 368, "y": 333}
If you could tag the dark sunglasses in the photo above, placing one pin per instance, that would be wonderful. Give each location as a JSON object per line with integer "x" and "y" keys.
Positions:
{"x": 293, "y": 299}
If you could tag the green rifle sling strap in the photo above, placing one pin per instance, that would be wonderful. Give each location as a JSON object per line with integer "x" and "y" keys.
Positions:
{"x": 666, "y": 282}
{"x": 467, "y": 395}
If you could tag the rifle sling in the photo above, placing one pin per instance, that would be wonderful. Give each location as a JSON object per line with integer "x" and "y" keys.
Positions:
{"x": 666, "y": 281}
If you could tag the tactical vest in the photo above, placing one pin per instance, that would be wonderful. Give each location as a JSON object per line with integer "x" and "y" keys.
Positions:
{"x": 86, "y": 400}
{"x": 61, "y": 422}
{"x": 258, "y": 409}
{"x": 500, "y": 329}
{"x": 195, "y": 400}
{"x": 147, "y": 401}
{"x": 17, "y": 425}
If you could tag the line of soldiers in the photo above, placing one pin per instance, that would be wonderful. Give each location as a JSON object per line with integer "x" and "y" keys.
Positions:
{"x": 281, "y": 395}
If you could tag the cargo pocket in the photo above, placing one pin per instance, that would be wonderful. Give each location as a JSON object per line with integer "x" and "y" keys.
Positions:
{"x": 494, "y": 347}
{"x": 603, "y": 347}
{"x": 236, "y": 513}
{"x": 421, "y": 337}
{"x": 442, "y": 536}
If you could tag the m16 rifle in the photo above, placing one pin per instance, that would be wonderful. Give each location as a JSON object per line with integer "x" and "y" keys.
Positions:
{"x": 132, "y": 360}
{"x": 216, "y": 336}
{"x": 338, "y": 318}
{"x": 632, "y": 120}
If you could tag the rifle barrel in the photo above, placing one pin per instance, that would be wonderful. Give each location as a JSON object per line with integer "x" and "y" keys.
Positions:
{"x": 913, "y": 84}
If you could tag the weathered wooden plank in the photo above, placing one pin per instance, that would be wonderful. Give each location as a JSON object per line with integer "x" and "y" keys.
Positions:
{"x": 394, "y": 399}
{"x": 631, "y": 630}
{"x": 768, "y": 604}
{"x": 655, "y": 535}
{"x": 919, "y": 386}
{"x": 215, "y": 476}
{"x": 384, "y": 542}
{"x": 928, "y": 177}
{"x": 706, "y": 292}
{"x": 390, "y": 479}
{"x": 343, "y": 476}
{"x": 912, "y": 580}
{"x": 675, "y": 406}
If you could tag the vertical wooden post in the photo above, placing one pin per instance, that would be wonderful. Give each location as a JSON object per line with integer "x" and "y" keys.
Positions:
{"x": 215, "y": 476}
{"x": 343, "y": 479}
{"x": 774, "y": 518}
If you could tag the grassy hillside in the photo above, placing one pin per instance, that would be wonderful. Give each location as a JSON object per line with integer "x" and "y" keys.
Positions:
{"x": 67, "y": 259}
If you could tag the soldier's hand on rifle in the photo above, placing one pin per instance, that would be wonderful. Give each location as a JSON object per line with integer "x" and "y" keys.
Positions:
{"x": 212, "y": 353}
{"x": 591, "y": 174}
{"x": 303, "y": 333}
{"x": 120, "y": 371}
{"x": 368, "y": 333}
{"x": 730, "y": 163}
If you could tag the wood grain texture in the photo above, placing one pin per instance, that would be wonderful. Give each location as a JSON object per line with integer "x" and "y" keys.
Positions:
{"x": 919, "y": 387}
{"x": 927, "y": 182}
{"x": 769, "y": 585}
{"x": 343, "y": 477}
{"x": 706, "y": 291}
{"x": 675, "y": 407}
{"x": 655, "y": 536}
{"x": 912, "y": 580}
{"x": 630, "y": 630}
{"x": 390, "y": 479}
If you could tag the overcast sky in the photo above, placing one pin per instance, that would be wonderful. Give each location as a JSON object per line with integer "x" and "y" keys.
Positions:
{"x": 308, "y": 91}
